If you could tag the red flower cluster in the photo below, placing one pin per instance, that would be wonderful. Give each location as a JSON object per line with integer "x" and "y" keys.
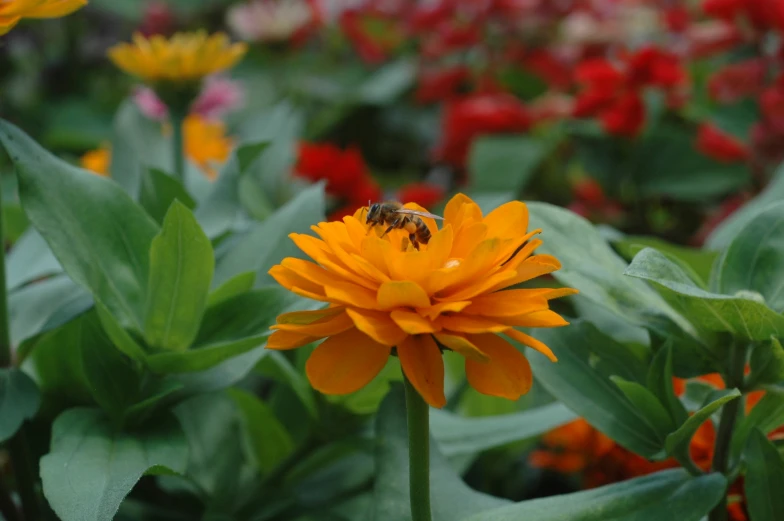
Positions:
{"x": 424, "y": 194}
{"x": 591, "y": 202}
{"x": 467, "y": 118}
{"x": 761, "y": 14}
{"x": 613, "y": 92}
{"x": 347, "y": 176}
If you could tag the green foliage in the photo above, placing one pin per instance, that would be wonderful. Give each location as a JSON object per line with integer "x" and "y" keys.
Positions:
{"x": 19, "y": 401}
{"x": 91, "y": 466}
{"x": 159, "y": 190}
{"x": 766, "y": 416}
{"x": 504, "y": 163}
{"x": 764, "y": 479}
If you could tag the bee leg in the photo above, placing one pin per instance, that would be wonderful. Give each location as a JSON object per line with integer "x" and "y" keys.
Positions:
{"x": 412, "y": 237}
{"x": 395, "y": 224}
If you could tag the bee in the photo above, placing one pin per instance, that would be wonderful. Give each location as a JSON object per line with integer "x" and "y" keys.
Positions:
{"x": 395, "y": 216}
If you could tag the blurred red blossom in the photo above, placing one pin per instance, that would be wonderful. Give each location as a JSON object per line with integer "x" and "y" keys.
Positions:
{"x": 467, "y": 118}
{"x": 424, "y": 194}
{"x": 738, "y": 80}
{"x": 727, "y": 208}
{"x": 718, "y": 145}
{"x": 274, "y": 21}
{"x": 613, "y": 91}
{"x": 219, "y": 96}
{"x": 439, "y": 84}
{"x": 374, "y": 33}
{"x": 157, "y": 18}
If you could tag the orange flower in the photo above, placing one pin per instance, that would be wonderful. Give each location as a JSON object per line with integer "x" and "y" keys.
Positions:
{"x": 98, "y": 160}
{"x": 385, "y": 297}
{"x": 11, "y": 11}
{"x": 206, "y": 145}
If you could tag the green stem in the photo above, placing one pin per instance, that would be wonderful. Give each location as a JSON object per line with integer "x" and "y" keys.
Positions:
{"x": 418, "y": 453}
{"x": 178, "y": 142}
{"x": 729, "y": 415}
{"x": 25, "y": 475}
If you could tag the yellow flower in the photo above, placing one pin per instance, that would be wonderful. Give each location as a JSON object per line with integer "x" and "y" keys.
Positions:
{"x": 11, "y": 11}
{"x": 98, "y": 160}
{"x": 206, "y": 145}
{"x": 452, "y": 293}
{"x": 185, "y": 57}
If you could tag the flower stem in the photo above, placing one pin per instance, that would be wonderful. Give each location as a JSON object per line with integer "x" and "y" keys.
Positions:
{"x": 418, "y": 453}
{"x": 729, "y": 415}
{"x": 178, "y": 142}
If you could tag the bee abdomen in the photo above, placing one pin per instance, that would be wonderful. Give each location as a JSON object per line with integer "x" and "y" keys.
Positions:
{"x": 423, "y": 232}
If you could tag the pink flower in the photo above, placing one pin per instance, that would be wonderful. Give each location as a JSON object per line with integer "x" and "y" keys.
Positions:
{"x": 272, "y": 21}
{"x": 218, "y": 97}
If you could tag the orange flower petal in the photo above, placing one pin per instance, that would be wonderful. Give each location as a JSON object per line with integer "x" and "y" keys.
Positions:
{"x": 377, "y": 252}
{"x": 532, "y": 343}
{"x": 439, "y": 249}
{"x": 533, "y": 267}
{"x": 507, "y": 374}
{"x": 346, "y": 362}
{"x": 462, "y": 346}
{"x": 350, "y": 294}
{"x": 509, "y": 220}
{"x": 401, "y": 294}
{"x": 443, "y": 307}
{"x": 472, "y": 324}
{"x": 485, "y": 285}
{"x": 308, "y": 270}
{"x": 518, "y": 257}
{"x": 282, "y": 340}
{"x": 378, "y": 326}
{"x": 327, "y": 326}
{"x": 413, "y": 323}
{"x": 505, "y": 303}
{"x": 545, "y": 318}
{"x": 461, "y": 209}
{"x": 479, "y": 261}
{"x": 290, "y": 280}
{"x": 467, "y": 238}
{"x": 421, "y": 361}
{"x": 308, "y": 317}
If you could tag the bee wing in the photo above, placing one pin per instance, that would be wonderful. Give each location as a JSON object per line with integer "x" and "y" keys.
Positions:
{"x": 420, "y": 214}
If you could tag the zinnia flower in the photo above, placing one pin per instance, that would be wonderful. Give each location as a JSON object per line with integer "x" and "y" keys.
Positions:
{"x": 98, "y": 160}
{"x": 11, "y": 11}
{"x": 387, "y": 298}
{"x": 185, "y": 57}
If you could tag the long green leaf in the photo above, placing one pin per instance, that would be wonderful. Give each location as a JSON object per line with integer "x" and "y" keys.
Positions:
{"x": 181, "y": 267}
{"x": 19, "y": 401}
{"x": 764, "y": 479}
{"x": 766, "y": 415}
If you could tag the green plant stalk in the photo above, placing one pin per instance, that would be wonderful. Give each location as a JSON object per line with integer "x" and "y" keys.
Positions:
{"x": 418, "y": 413}
{"x": 178, "y": 143}
{"x": 25, "y": 476}
{"x": 729, "y": 416}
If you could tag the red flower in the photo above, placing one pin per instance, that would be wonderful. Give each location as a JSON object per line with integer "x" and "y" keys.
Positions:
{"x": 440, "y": 84}
{"x": 374, "y": 34}
{"x": 737, "y": 81}
{"x": 343, "y": 170}
{"x": 626, "y": 117}
{"x": 480, "y": 114}
{"x": 424, "y": 194}
{"x": 712, "y": 37}
{"x": 720, "y": 146}
{"x": 725, "y": 9}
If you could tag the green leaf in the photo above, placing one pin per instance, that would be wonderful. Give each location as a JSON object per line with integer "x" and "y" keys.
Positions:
{"x": 30, "y": 259}
{"x": 648, "y": 405}
{"x": 767, "y": 363}
{"x": 91, "y": 467}
{"x": 112, "y": 377}
{"x": 267, "y": 440}
{"x": 592, "y": 266}
{"x": 504, "y": 163}
{"x": 730, "y": 227}
{"x": 670, "y": 494}
{"x": 121, "y": 339}
{"x": 181, "y": 267}
{"x": 19, "y": 401}
{"x": 231, "y": 288}
{"x": 459, "y": 435}
{"x": 276, "y": 366}
{"x": 741, "y": 316}
{"x": 764, "y": 479}
{"x": 678, "y": 441}
{"x": 667, "y": 164}
{"x": 451, "y": 499}
{"x": 159, "y": 190}
{"x": 754, "y": 260}
{"x": 388, "y": 83}
{"x": 692, "y": 260}
{"x": 767, "y": 415}
{"x": 202, "y": 358}
{"x": 37, "y": 308}
{"x": 267, "y": 243}
{"x": 99, "y": 235}
{"x": 218, "y": 212}
{"x": 659, "y": 381}
{"x": 589, "y": 393}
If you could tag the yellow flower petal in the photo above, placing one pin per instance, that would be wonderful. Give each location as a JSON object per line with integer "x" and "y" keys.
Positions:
{"x": 401, "y": 294}
{"x": 421, "y": 361}
{"x": 443, "y": 307}
{"x": 462, "y": 346}
{"x": 509, "y": 220}
{"x": 472, "y": 324}
{"x": 304, "y": 318}
{"x": 378, "y": 326}
{"x": 350, "y": 294}
{"x": 290, "y": 280}
{"x": 325, "y": 326}
{"x": 346, "y": 362}
{"x": 413, "y": 323}
{"x": 546, "y": 318}
{"x": 507, "y": 374}
{"x": 532, "y": 343}
{"x": 460, "y": 210}
{"x": 505, "y": 304}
